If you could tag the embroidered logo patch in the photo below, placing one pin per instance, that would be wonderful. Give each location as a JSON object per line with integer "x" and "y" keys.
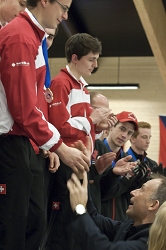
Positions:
{"x": 55, "y": 205}
{"x": 2, "y": 188}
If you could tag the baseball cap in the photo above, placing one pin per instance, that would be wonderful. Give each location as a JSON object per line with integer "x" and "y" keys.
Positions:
{"x": 126, "y": 116}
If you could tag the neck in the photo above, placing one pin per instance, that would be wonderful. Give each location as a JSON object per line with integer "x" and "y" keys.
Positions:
{"x": 74, "y": 71}
{"x": 2, "y": 21}
{"x": 144, "y": 221}
{"x": 138, "y": 151}
{"x": 112, "y": 145}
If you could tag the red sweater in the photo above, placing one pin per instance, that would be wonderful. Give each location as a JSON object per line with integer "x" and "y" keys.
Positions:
{"x": 22, "y": 69}
{"x": 70, "y": 109}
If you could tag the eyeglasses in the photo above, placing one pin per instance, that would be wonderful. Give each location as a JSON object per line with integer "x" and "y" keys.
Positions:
{"x": 64, "y": 7}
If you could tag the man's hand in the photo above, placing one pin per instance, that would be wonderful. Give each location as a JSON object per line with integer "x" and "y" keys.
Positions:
{"x": 78, "y": 192}
{"x": 141, "y": 170}
{"x": 86, "y": 150}
{"x": 43, "y": 153}
{"x": 123, "y": 167}
{"x": 54, "y": 162}
{"x": 74, "y": 158}
{"x": 104, "y": 161}
{"x": 99, "y": 114}
{"x": 107, "y": 123}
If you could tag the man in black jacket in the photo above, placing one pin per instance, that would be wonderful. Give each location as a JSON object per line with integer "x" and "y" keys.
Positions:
{"x": 115, "y": 198}
{"x": 98, "y": 232}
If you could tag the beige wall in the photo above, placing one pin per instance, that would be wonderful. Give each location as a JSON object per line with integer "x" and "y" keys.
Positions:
{"x": 147, "y": 103}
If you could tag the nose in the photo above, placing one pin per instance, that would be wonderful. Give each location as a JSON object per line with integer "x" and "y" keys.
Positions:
{"x": 124, "y": 134}
{"x": 65, "y": 15}
{"x": 95, "y": 64}
{"x": 133, "y": 192}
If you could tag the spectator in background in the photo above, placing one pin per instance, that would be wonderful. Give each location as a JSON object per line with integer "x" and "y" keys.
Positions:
{"x": 115, "y": 199}
{"x": 157, "y": 239}
{"x": 101, "y": 158}
{"x": 140, "y": 141}
{"x": 98, "y": 100}
{"x": 9, "y": 9}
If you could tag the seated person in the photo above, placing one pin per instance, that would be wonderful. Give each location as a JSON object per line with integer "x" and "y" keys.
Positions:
{"x": 98, "y": 232}
{"x": 157, "y": 239}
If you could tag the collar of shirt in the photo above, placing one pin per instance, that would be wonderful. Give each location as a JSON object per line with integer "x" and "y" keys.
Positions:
{"x": 82, "y": 80}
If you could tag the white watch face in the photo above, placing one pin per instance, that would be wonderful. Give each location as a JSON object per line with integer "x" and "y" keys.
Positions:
{"x": 80, "y": 209}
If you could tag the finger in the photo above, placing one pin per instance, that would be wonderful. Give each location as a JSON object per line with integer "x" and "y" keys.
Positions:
{"x": 85, "y": 163}
{"x": 127, "y": 158}
{"x": 75, "y": 180}
{"x": 52, "y": 170}
{"x": 85, "y": 179}
{"x": 77, "y": 167}
{"x": 70, "y": 185}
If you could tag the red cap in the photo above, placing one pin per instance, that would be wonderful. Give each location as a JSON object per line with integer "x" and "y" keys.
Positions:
{"x": 126, "y": 116}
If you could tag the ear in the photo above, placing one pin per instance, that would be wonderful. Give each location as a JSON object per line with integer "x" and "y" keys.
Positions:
{"x": 44, "y": 2}
{"x": 132, "y": 139}
{"x": 154, "y": 205}
{"x": 74, "y": 58}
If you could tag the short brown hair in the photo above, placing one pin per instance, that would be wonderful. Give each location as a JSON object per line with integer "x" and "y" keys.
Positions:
{"x": 141, "y": 125}
{"x": 160, "y": 193}
{"x": 33, "y": 3}
{"x": 81, "y": 44}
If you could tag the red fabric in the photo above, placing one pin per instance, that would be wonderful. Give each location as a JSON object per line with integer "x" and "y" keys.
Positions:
{"x": 24, "y": 94}
{"x": 162, "y": 151}
{"x": 70, "y": 109}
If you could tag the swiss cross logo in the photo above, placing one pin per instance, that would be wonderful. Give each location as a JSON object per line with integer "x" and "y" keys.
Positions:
{"x": 2, "y": 188}
{"x": 55, "y": 205}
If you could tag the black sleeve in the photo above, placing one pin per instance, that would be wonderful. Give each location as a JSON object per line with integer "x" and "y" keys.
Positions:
{"x": 91, "y": 236}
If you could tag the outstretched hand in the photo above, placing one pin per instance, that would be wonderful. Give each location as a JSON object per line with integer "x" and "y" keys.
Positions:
{"x": 104, "y": 161}
{"x": 78, "y": 192}
{"x": 123, "y": 166}
{"x": 86, "y": 149}
{"x": 76, "y": 157}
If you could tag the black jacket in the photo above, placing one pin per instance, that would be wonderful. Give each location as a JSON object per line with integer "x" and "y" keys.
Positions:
{"x": 110, "y": 193}
{"x": 94, "y": 177}
{"x": 97, "y": 232}
{"x": 115, "y": 194}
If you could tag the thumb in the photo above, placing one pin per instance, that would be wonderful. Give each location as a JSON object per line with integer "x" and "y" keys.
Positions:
{"x": 88, "y": 143}
{"x": 127, "y": 158}
{"x": 87, "y": 148}
{"x": 85, "y": 179}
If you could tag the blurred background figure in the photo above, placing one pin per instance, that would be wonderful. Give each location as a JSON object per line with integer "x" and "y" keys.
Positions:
{"x": 140, "y": 142}
{"x": 9, "y": 9}
{"x": 157, "y": 239}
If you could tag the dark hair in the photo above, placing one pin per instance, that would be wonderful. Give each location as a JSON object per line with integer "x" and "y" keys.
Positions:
{"x": 81, "y": 44}
{"x": 160, "y": 193}
{"x": 33, "y": 3}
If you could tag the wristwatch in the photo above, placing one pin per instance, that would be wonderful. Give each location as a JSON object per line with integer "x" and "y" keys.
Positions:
{"x": 80, "y": 209}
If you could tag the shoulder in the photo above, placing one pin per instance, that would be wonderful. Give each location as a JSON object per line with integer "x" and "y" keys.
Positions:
{"x": 100, "y": 146}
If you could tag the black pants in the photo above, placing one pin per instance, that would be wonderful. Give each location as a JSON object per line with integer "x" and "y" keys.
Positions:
{"x": 21, "y": 208}
{"x": 59, "y": 236}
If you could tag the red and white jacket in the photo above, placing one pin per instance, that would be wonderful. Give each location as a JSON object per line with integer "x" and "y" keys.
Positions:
{"x": 70, "y": 109}
{"x": 22, "y": 76}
